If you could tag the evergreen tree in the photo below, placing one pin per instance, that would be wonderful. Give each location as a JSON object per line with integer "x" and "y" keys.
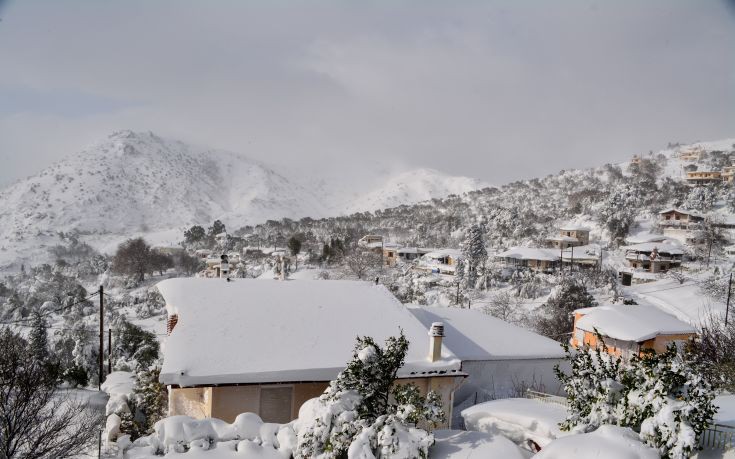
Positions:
{"x": 556, "y": 319}
{"x": 194, "y": 234}
{"x": 474, "y": 252}
{"x": 151, "y": 402}
{"x": 38, "y": 338}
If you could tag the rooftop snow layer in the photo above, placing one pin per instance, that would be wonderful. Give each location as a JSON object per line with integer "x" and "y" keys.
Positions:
{"x": 661, "y": 246}
{"x": 631, "y": 323}
{"x": 530, "y": 253}
{"x": 473, "y": 335}
{"x": 251, "y": 331}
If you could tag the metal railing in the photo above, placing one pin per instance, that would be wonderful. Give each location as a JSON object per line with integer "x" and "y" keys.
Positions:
{"x": 718, "y": 436}
{"x": 547, "y": 398}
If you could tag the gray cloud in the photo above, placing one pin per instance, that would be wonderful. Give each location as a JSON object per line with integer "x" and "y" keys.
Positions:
{"x": 497, "y": 90}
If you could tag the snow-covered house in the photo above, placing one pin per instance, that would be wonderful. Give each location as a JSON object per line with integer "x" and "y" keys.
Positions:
{"x": 691, "y": 154}
{"x": 703, "y": 177}
{"x": 370, "y": 240}
{"x": 728, "y": 174}
{"x": 678, "y": 218}
{"x": 544, "y": 260}
{"x": 267, "y": 346}
{"x": 628, "y": 330}
{"x": 412, "y": 253}
{"x": 439, "y": 261}
{"x": 585, "y": 256}
{"x": 570, "y": 236}
{"x": 654, "y": 257}
{"x": 497, "y": 356}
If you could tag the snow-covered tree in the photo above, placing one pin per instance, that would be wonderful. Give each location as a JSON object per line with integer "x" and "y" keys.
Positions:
{"x": 556, "y": 315}
{"x": 365, "y": 414}
{"x": 38, "y": 338}
{"x": 474, "y": 252}
{"x": 701, "y": 198}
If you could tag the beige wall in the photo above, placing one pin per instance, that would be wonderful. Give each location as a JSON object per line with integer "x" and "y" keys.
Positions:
{"x": 226, "y": 402}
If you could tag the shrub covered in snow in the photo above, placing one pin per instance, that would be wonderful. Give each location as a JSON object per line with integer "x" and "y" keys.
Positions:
{"x": 662, "y": 396}
{"x": 363, "y": 415}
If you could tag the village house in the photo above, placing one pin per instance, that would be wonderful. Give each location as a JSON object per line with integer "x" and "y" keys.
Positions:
{"x": 728, "y": 174}
{"x": 703, "y": 177}
{"x": 389, "y": 253}
{"x": 691, "y": 154}
{"x": 585, "y": 256}
{"x": 370, "y": 241}
{"x": 628, "y": 330}
{"x": 439, "y": 261}
{"x": 203, "y": 253}
{"x": 653, "y": 256}
{"x": 267, "y": 346}
{"x": 412, "y": 253}
{"x": 220, "y": 266}
{"x": 679, "y": 224}
{"x": 542, "y": 260}
{"x": 636, "y": 159}
{"x": 497, "y": 357}
{"x": 570, "y": 236}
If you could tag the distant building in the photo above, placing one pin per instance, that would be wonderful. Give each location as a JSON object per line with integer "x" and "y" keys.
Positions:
{"x": 654, "y": 257}
{"x": 267, "y": 346}
{"x": 703, "y": 177}
{"x": 542, "y": 260}
{"x": 628, "y": 330}
{"x": 585, "y": 256}
{"x": 412, "y": 253}
{"x": 636, "y": 159}
{"x": 728, "y": 174}
{"x": 570, "y": 236}
{"x": 679, "y": 224}
{"x": 439, "y": 261}
{"x": 691, "y": 154}
{"x": 370, "y": 240}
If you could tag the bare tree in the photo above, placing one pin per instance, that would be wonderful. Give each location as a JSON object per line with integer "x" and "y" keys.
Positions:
{"x": 37, "y": 420}
{"x": 361, "y": 262}
{"x": 133, "y": 258}
{"x": 504, "y": 306}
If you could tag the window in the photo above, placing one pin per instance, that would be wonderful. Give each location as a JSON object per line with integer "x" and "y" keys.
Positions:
{"x": 275, "y": 403}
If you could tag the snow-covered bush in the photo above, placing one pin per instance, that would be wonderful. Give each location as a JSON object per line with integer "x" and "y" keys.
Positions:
{"x": 662, "y": 396}
{"x": 701, "y": 198}
{"x": 593, "y": 389}
{"x": 364, "y": 414}
{"x": 668, "y": 401}
{"x": 556, "y": 314}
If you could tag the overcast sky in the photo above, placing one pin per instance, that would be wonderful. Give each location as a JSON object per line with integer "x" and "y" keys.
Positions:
{"x": 497, "y": 90}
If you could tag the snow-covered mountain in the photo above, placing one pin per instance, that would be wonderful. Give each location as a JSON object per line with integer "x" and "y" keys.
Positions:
{"x": 138, "y": 183}
{"x": 414, "y": 186}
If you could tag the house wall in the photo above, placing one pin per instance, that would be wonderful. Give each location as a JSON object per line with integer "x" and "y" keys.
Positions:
{"x": 661, "y": 342}
{"x": 191, "y": 401}
{"x": 502, "y": 378}
{"x": 226, "y": 402}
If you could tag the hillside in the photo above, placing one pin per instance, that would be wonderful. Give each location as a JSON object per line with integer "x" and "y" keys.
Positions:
{"x": 139, "y": 183}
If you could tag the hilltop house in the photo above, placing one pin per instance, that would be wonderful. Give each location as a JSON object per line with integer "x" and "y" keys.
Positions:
{"x": 654, "y": 257}
{"x": 728, "y": 174}
{"x": 570, "y": 236}
{"x": 679, "y": 224}
{"x": 496, "y": 356}
{"x": 691, "y": 154}
{"x": 370, "y": 241}
{"x": 267, "y": 346}
{"x": 627, "y": 330}
{"x": 412, "y": 253}
{"x": 703, "y": 177}
{"x": 585, "y": 256}
{"x": 543, "y": 260}
{"x": 439, "y": 261}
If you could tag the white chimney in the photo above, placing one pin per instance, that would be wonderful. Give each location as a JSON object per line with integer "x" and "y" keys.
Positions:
{"x": 436, "y": 335}
{"x": 224, "y": 266}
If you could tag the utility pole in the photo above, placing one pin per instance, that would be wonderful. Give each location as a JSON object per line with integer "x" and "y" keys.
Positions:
{"x": 102, "y": 339}
{"x": 109, "y": 351}
{"x": 727, "y": 307}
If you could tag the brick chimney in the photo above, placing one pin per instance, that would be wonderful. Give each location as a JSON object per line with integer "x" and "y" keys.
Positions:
{"x": 436, "y": 335}
{"x": 172, "y": 320}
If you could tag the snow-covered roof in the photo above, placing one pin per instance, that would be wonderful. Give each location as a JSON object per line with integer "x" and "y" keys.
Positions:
{"x": 582, "y": 252}
{"x": 681, "y": 211}
{"x": 574, "y": 228}
{"x": 562, "y": 239}
{"x": 473, "y": 335}
{"x": 251, "y": 331}
{"x": 414, "y": 250}
{"x": 647, "y": 237}
{"x": 530, "y": 253}
{"x": 661, "y": 246}
{"x": 630, "y": 322}
{"x": 441, "y": 253}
